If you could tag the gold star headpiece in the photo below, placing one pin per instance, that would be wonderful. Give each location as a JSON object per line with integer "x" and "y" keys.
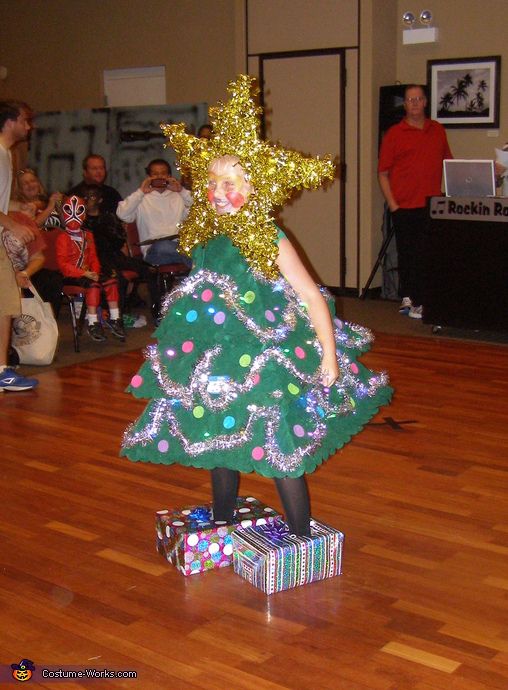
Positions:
{"x": 274, "y": 173}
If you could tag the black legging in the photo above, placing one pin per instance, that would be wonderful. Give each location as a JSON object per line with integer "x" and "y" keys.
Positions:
{"x": 292, "y": 491}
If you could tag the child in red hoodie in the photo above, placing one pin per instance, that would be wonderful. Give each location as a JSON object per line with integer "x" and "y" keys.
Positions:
{"x": 78, "y": 262}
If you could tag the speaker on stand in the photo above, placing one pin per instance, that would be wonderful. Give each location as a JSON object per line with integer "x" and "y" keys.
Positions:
{"x": 391, "y": 111}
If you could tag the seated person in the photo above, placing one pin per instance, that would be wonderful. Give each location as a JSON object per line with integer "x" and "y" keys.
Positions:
{"x": 205, "y": 131}
{"x": 28, "y": 260}
{"x": 95, "y": 173}
{"x": 110, "y": 243}
{"x": 157, "y": 207}
{"x": 78, "y": 262}
{"x": 31, "y": 191}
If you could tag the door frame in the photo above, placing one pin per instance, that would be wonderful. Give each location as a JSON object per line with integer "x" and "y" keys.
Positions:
{"x": 341, "y": 167}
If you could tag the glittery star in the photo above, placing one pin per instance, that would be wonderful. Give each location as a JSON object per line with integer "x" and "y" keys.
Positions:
{"x": 274, "y": 172}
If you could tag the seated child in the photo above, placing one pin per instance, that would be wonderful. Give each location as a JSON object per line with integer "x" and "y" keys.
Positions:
{"x": 111, "y": 246}
{"x": 78, "y": 262}
{"x": 31, "y": 191}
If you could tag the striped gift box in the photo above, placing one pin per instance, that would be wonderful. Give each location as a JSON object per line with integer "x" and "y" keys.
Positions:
{"x": 272, "y": 559}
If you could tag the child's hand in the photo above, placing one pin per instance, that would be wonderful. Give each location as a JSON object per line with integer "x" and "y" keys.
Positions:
{"x": 22, "y": 279}
{"x": 329, "y": 370}
{"x": 21, "y": 232}
{"x": 55, "y": 198}
{"x": 91, "y": 275}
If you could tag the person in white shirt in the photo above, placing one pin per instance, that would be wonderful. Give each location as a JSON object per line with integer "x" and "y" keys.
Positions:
{"x": 15, "y": 125}
{"x": 157, "y": 207}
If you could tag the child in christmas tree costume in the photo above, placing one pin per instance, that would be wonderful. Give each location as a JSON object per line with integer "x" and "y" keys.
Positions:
{"x": 251, "y": 372}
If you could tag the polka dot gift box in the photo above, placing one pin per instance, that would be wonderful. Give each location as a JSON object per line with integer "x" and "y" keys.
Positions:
{"x": 272, "y": 559}
{"x": 192, "y": 541}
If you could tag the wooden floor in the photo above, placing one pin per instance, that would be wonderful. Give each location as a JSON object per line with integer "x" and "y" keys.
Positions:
{"x": 420, "y": 495}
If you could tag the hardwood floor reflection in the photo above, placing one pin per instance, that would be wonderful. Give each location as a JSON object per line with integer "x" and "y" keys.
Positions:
{"x": 420, "y": 495}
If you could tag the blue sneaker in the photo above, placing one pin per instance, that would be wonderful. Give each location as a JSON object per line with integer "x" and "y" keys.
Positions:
{"x": 11, "y": 381}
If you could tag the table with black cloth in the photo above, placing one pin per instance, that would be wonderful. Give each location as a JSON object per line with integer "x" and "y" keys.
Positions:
{"x": 466, "y": 263}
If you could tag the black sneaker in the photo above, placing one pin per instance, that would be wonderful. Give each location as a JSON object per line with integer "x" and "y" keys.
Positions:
{"x": 117, "y": 328}
{"x": 96, "y": 333}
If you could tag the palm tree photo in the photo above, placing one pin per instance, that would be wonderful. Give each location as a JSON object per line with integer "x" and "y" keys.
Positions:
{"x": 463, "y": 93}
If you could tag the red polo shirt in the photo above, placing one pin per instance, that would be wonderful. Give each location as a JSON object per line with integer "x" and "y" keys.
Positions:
{"x": 413, "y": 158}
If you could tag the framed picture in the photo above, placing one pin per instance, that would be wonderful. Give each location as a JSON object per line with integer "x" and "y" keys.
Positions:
{"x": 464, "y": 92}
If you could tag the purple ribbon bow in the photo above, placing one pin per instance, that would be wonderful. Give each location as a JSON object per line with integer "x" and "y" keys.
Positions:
{"x": 275, "y": 531}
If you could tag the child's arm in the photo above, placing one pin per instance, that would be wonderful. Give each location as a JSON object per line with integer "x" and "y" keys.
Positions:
{"x": 298, "y": 277}
{"x": 35, "y": 263}
{"x": 43, "y": 216}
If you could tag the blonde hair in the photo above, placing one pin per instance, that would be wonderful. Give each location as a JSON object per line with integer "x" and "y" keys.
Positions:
{"x": 220, "y": 165}
{"x": 42, "y": 195}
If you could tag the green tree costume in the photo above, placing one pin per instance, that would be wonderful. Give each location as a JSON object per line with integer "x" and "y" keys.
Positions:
{"x": 234, "y": 378}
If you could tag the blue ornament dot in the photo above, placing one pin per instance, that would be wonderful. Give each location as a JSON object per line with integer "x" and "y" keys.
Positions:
{"x": 191, "y": 315}
{"x": 229, "y": 422}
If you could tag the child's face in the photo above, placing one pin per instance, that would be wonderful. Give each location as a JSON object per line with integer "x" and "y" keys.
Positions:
{"x": 29, "y": 186}
{"x": 92, "y": 201}
{"x": 228, "y": 189}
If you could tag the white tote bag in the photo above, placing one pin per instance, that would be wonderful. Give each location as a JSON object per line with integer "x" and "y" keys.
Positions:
{"x": 35, "y": 332}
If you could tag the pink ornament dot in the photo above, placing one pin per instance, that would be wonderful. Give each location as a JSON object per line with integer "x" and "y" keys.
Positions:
{"x": 269, "y": 315}
{"x": 136, "y": 381}
{"x": 187, "y": 346}
{"x": 219, "y": 318}
{"x": 354, "y": 368}
{"x": 163, "y": 446}
{"x": 206, "y": 295}
{"x": 258, "y": 453}
{"x": 298, "y": 430}
{"x": 300, "y": 352}
{"x": 256, "y": 379}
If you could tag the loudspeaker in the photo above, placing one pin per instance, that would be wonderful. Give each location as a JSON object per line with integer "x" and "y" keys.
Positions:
{"x": 391, "y": 107}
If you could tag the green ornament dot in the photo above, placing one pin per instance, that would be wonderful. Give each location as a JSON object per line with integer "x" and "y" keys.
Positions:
{"x": 294, "y": 390}
{"x": 249, "y": 297}
{"x": 198, "y": 411}
{"x": 245, "y": 360}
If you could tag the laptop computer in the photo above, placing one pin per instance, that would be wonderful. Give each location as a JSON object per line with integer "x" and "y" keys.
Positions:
{"x": 469, "y": 177}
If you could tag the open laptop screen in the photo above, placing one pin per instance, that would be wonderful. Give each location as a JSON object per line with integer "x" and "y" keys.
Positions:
{"x": 469, "y": 177}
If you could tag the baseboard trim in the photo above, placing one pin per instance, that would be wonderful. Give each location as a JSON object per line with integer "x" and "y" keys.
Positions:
{"x": 372, "y": 293}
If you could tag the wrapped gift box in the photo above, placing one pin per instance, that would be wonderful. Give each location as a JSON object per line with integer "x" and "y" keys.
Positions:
{"x": 192, "y": 541}
{"x": 272, "y": 559}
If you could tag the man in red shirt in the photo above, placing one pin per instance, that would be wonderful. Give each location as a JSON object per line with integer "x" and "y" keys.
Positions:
{"x": 410, "y": 170}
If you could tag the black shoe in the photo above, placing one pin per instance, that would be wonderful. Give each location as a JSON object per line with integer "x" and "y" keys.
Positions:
{"x": 96, "y": 333}
{"x": 117, "y": 328}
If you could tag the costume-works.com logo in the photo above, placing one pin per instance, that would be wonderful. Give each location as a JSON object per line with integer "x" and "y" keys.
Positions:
{"x": 23, "y": 671}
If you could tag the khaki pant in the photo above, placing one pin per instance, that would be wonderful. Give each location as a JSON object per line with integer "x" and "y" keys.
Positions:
{"x": 9, "y": 291}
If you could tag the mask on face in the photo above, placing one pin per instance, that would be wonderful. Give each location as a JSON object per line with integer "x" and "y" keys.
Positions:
{"x": 74, "y": 213}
